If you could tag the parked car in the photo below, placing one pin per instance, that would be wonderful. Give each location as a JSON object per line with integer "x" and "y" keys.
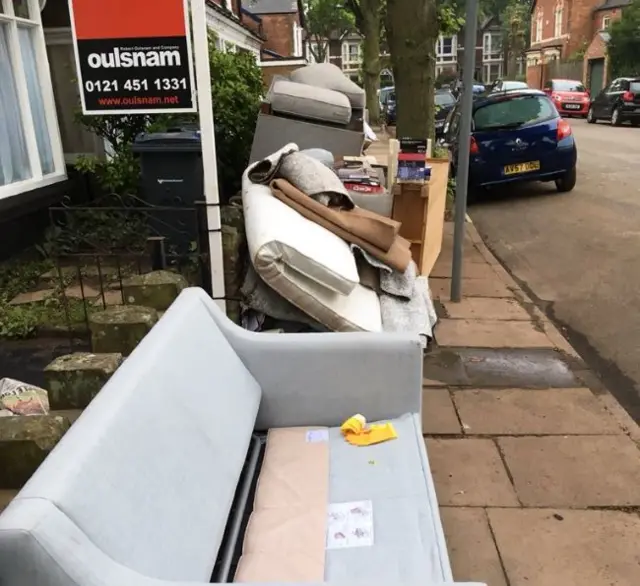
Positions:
{"x": 389, "y": 109}
{"x": 444, "y": 101}
{"x": 570, "y": 97}
{"x": 516, "y": 136}
{"x": 383, "y": 96}
{"x": 503, "y": 85}
{"x": 618, "y": 102}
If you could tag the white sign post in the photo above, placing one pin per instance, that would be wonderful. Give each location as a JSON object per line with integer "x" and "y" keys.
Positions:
{"x": 208, "y": 139}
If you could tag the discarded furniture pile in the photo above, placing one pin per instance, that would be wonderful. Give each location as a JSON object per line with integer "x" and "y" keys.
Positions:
{"x": 329, "y": 248}
{"x": 205, "y": 459}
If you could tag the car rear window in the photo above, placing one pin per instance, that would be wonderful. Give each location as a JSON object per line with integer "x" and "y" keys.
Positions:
{"x": 565, "y": 85}
{"x": 634, "y": 86}
{"x": 511, "y": 112}
{"x": 444, "y": 99}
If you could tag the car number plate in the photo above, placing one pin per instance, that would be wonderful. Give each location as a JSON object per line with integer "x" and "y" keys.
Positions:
{"x": 522, "y": 168}
{"x": 572, "y": 106}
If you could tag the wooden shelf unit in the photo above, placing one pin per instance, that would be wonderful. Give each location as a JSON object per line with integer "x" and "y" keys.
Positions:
{"x": 420, "y": 208}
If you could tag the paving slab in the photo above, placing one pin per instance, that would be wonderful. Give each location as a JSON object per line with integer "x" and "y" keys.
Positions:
{"x": 574, "y": 471}
{"x": 472, "y": 550}
{"x": 486, "y": 308}
{"x": 490, "y": 334}
{"x": 499, "y": 367}
{"x": 469, "y": 472}
{"x": 470, "y": 270}
{"x": 543, "y": 547}
{"x": 441, "y": 288}
{"x": 32, "y": 297}
{"x": 533, "y": 412}
{"x": 438, "y": 413}
{"x": 470, "y": 255}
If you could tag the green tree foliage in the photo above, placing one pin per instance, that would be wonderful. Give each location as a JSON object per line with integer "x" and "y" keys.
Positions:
{"x": 236, "y": 88}
{"x": 624, "y": 45}
{"x": 326, "y": 19}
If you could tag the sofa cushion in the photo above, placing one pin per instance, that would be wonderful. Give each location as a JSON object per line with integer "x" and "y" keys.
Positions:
{"x": 409, "y": 544}
{"x": 310, "y": 103}
{"x": 289, "y": 515}
{"x": 330, "y": 76}
{"x": 309, "y": 266}
{"x": 149, "y": 471}
{"x": 282, "y": 240}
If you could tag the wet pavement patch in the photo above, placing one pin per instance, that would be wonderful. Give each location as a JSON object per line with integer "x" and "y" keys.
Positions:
{"x": 508, "y": 367}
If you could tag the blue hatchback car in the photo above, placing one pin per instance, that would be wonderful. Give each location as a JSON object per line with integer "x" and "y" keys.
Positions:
{"x": 516, "y": 136}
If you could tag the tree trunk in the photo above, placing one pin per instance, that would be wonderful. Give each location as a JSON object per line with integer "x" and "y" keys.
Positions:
{"x": 412, "y": 30}
{"x": 371, "y": 56}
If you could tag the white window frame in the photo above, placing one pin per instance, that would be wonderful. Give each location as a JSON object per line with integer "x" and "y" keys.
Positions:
{"x": 347, "y": 62}
{"x": 539, "y": 25}
{"x": 448, "y": 57}
{"x": 489, "y": 51}
{"x": 37, "y": 179}
{"x": 606, "y": 22}
{"x": 486, "y": 71}
{"x": 297, "y": 40}
{"x": 311, "y": 56}
{"x": 557, "y": 22}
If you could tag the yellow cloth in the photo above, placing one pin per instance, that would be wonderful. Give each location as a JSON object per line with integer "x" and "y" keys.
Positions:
{"x": 356, "y": 431}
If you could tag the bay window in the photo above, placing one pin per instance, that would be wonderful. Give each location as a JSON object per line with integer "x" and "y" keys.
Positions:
{"x": 446, "y": 50}
{"x": 30, "y": 147}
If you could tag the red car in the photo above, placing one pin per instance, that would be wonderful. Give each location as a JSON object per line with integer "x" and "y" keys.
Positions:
{"x": 570, "y": 97}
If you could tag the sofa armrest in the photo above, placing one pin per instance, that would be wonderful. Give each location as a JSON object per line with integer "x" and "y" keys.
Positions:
{"x": 321, "y": 379}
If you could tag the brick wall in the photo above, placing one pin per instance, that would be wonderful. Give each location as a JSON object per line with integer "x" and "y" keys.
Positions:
{"x": 598, "y": 17}
{"x": 577, "y": 24}
{"x": 278, "y": 29}
{"x": 269, "y": 72}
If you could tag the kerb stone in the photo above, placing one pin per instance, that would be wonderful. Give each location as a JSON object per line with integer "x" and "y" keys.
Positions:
{"x": 119, "y": 329}
{"x": 25, "y": 441}
{"x": 75, "y": 379}
{"x": 157, "y": 289}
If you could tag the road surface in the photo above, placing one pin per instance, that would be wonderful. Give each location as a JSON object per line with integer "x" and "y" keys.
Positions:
{"x": 578, "y": 254}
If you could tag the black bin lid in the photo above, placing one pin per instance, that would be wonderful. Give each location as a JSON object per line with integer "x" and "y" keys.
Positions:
{"x": 173, "y": 140}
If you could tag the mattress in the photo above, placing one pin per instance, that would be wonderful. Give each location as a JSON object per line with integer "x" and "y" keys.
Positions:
{"x": 310, "y": 103}
{"x": 306, "y": 264}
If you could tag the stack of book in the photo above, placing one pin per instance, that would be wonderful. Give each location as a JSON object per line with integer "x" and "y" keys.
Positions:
{"x": 412, "y": 161}
{"x": 360, "y": 177}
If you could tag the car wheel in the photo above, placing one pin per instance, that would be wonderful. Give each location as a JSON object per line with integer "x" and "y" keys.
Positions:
{"x": 591, "y": 119}
{"x": 616, "y": 119}
{"x": 567, "y": 182}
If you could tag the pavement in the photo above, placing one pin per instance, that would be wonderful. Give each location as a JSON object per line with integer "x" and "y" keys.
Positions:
{"x": 536, "y": 465}
{"x": 576, "y": 254}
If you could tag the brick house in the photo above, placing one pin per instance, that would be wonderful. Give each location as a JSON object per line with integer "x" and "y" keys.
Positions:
{"x": 345, "y": 51}
{"x": 488, "y": 47}
{"x": 281, "y": 23}
{"x": 596, "y": 62}
{"x": 560, "y": 30}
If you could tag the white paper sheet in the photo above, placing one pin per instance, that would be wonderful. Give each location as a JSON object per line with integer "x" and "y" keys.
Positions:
{"x": 350, "y": 525}
{"x": 317, "y": 435}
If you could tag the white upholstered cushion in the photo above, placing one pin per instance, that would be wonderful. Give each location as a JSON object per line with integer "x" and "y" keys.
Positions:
{"x": 312, "y": 103}
{"x": 309, "y": 266}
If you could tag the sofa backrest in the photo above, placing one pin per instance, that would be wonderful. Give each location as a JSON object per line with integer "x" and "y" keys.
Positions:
{"x": 149, "y": 470}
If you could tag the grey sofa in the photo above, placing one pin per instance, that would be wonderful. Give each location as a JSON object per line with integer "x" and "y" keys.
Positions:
{"x": 140, "y": 491}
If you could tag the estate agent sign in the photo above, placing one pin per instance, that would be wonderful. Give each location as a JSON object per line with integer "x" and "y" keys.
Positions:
{"x": 133, "y": 56}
